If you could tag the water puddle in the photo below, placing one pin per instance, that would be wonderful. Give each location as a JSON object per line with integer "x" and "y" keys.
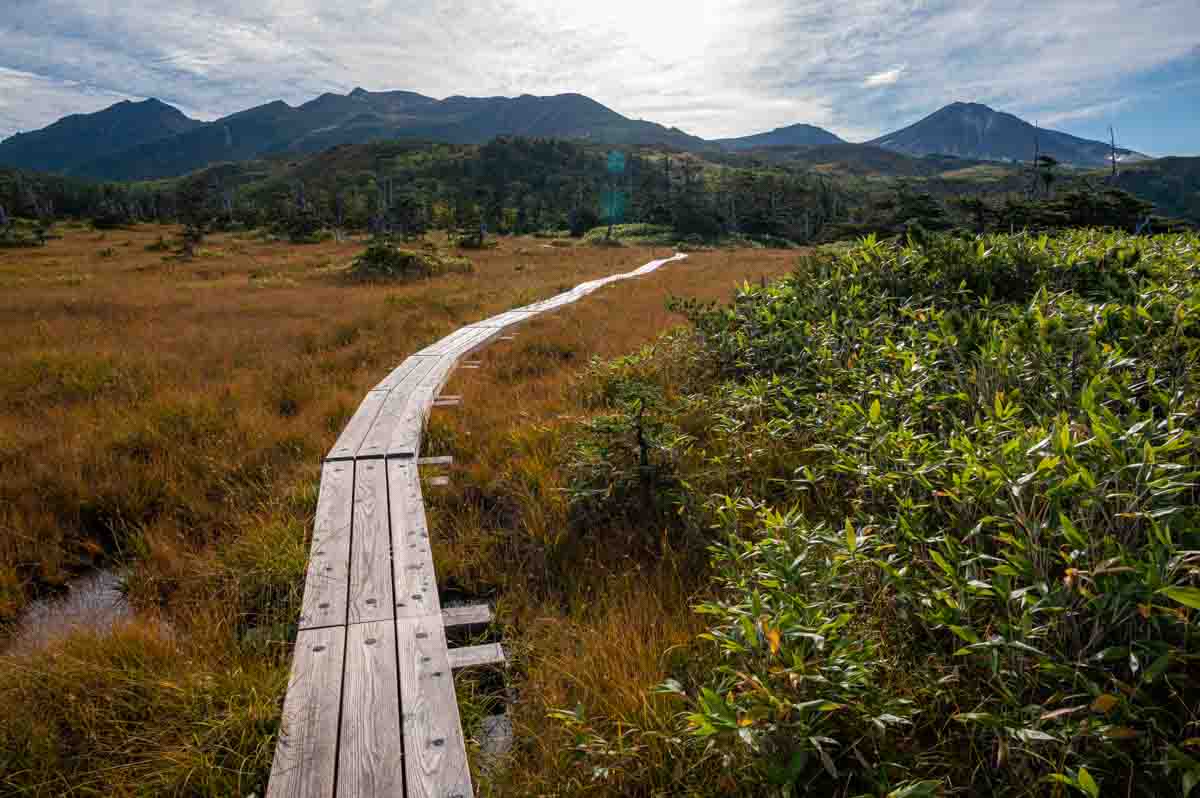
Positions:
{"x": 93, "y": 602}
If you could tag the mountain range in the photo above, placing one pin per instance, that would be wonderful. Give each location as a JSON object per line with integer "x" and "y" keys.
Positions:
{"x": 150, "y": 139}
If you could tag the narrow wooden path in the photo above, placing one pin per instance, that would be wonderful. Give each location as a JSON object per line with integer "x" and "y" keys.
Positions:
{"x": 371, "y": 708}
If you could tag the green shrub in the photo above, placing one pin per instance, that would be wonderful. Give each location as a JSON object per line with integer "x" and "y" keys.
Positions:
{"x": 953, "y": 485}
{"x": 383, "y": 260}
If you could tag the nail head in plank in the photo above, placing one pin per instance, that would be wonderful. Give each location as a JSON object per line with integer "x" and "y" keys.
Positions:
{"x": 326, "y": 583}
{"x": 370, "y": 761}
{"x": 371, "y": 546}
{"x": 416, "y": 591}
{"x": 435, "y": 758}
{"x": 469, "y": 656}
{"x": 306, "y": 754}
{"x": 470, "y": 615}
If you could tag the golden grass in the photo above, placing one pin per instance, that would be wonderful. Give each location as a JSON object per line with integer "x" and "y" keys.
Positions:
{"x": 172, "y": 415}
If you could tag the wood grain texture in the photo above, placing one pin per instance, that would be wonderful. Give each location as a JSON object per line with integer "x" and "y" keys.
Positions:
{"x": 412, "y": 558}
{"x": 347, "y": 444}
{"x": 470, "y": 656}
{"x": 435, "y": 756}
{"x": 306, "y": 754}
{"x": 397, "y": 375}
{"x": 370, "y": 753}
{"x": 394, "y": 409}
{"x": 470, "y": 615}
{"x": 409, "y": 430}
{"x": 327, "y": 581}
{"x": 370, "y": 597}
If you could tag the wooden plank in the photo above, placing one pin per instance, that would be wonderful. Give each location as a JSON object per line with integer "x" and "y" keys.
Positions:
{"x": 435, "y": 461}
{"x": 455, "y": 402}
{"x": 439, "y": 482}
{"x": 470, "y": 656}
{"x": 394, "y": 409}
{"x": 440, "y": 375}
{"x": 370, "y": 752}
{"x": 399, "y": 373}
{"x": 327, "y": 583}
{"x": 416, "y": 586}
{"x": 370, "y": 596}
{"x": 505, "y": 319}
{"x": 306, "y": 754}
{"x": 470, "y": 615}
{"x": 408, "y": 432}
{"x": 360, "y": 423}
{"x": 435, "y": 754}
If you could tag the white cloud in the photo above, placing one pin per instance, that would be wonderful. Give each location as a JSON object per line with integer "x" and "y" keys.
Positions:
{"x": 883, "y": 78}
{"x": 712, "y": 67}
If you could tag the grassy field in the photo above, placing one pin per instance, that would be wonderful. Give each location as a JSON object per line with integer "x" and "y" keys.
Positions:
{"x": 171, "y": 415}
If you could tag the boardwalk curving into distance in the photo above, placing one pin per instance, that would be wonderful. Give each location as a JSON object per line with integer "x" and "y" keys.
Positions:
{"x": 370, "y": 708}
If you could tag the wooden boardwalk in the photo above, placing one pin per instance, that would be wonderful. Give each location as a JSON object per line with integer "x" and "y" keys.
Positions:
{"x": 371, "y": 708}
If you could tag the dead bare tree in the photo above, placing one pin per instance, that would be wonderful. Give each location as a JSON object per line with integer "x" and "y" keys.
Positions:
{"x": 1112, "y": 138}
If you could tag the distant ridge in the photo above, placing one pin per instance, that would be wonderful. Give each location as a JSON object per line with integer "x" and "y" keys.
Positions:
{"x": 79, "y": 138}
{"x": 329, "y": 120}
{"x": 791, "y": 136}
{"x": 150, "y": 139}
{"x": 972, "y": 130}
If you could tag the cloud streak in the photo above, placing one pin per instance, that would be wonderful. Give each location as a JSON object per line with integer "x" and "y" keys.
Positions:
{"x": 714, "y": 68}
{"x": 883, "y": 78}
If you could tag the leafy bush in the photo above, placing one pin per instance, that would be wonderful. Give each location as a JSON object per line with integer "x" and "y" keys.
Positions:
{"x": 383, "y": 260}
{"x": 954, "y": 488}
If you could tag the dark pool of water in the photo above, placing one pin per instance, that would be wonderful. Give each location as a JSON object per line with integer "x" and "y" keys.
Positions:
{"x": 93, "y": 602}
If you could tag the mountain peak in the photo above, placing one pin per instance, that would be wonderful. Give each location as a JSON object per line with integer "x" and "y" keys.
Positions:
{"x": 81, "y": 138}
{"x": 797, "y": 135}
{"x": 973, "y": 130}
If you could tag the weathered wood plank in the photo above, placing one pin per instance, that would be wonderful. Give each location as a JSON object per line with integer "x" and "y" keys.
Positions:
{"x": 326, "y": 584}
{"x": 435, "y": 760}
{"x": 408, "y": 432}
{"x": 360, "y": 423}
{"x": 439, "y": 482}
{"x": 470, "y": 615}
{"x": 470, "y": 656}
{"x": 371, "y": 547}
{"x": 416, "y": 591}
{"x": 436, "y": 461}
{"x": 370, "y": 759}
{"x": 505, "y": 319}
{"x": 394, "y": 409}
{"x": 306, "y": 754}
{"x": 396, "y": 377}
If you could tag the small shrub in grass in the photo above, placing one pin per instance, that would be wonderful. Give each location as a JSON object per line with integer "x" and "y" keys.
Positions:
{"x": 383, "y": 260}
{"x": 978, "y": 572}
{"x": 159, "y": 245}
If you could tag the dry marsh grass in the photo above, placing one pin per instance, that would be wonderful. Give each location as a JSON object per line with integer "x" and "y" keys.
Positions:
{"x": 171, "y": 415}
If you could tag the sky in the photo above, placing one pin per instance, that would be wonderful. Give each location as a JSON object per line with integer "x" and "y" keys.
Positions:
{"x": 715, "y": 68}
